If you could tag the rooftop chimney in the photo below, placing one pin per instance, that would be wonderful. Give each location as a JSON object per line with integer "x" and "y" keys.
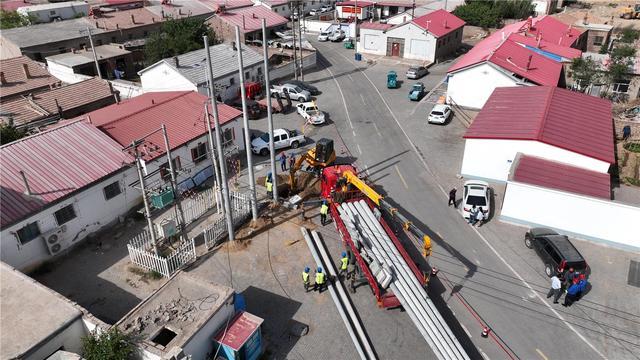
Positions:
{"x": 97, "y": 25}
{"x": 179, "y": 11}
{"x": 529, "y": 62}
{"x": 254, "y": 16}
{"x": 133, "y": 19}
{"x": 233, "y": 44}
{"x": 117, "y": 26}
{"x": 243, "y": 22}
{"x": 25, "y": 70}
{"x": 2, "y": 78}
{"x": 153, "y": 20}
{"x": 175, "y": 58}
{"x": 27, "y": 189}
{"x": 162, "y": 13}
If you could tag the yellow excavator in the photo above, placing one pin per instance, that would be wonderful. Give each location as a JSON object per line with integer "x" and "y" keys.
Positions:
{"x": 317, "y": 158}
{"x": 630, "y": 12}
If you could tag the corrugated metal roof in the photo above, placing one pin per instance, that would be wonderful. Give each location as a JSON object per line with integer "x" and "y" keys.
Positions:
{"x": 550, "y": 30}
{"x": 563, "y": 51}
{"x": 240, "y": 329}
{"x": 564, "y": 177}
{"x": 56, "y": 163}
{"x": 393, "y": 3}
{"x": 178, "y": 9}
{"x": 558, "y": 117}
{"x": 24, "y": 110}
{"x": 375, "y": 26}
{"x": 223, "y": 57}
{"x": 526, "y": 63}
{"x": 41, "y": 34}
{"x": 353, "y": 3}
{"x": 182, "y": 112}
{"x": 250, "y": 18}
{"x": 439, "y": 22}
{"x": 16, "y": 80}
{"x": 126, "y": 19}
{"x": 85, "y": 56}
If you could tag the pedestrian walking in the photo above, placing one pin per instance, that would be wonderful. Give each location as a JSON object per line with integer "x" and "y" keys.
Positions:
{"x": 452, "y": 197}
{"x": 283, "y": 161}
{"x": 320, "y": 280}
{"x": 292, "y": 161}
{"x": 572, "y": 293}
{"x": 472, "y": 215}
{"x": 305, "y": 279}
{"x": 556, "y": 289}
{"x": 479, "y": 217}
{"x": 324, "y": 210}
{"x": 344, "y": 264}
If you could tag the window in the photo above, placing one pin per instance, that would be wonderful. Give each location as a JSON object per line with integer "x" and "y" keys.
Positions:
{"x": 112, "y": 190}
{"x": 28, "y": 232}
{"x": 113, "y": 39}
{"x": 199, "y": 152}
{"x": 598, "y": 40}
{"x": 52, "y": 12}
{"x": 620, "y": 86}
{"x": 82, "y": 45}
{"x": 228, "y": 135}
{"x": 275, "y": 10}
{"x": 232, "y": 81}
{"x": 247, "y": 75}
{"x": 130, "y": 36}
{"x": 259, "y": 71}
{"x": 165, "y": 172}
{"x": 65, "y": 214}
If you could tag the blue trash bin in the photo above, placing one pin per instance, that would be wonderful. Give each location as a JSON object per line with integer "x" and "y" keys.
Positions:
{"x": 358, "y": 57}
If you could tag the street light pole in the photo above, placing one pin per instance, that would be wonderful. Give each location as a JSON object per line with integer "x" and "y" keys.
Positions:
{"x": 300, "y": 12}
{"x": 147, "y": 209}
{"x": 93, "y": 49}
{"x": 247, "y": 138}
{"x": 214, "y": 163}
{"x": 174, "y": 183}
{"x": 223, "y": 169}
{"x": 267, "y": 86}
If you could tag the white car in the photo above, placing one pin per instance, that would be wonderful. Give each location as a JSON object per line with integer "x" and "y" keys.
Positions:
{"x": 439, "y": 114}
{"x": 314, "y": 12}
{"x": 310, "y": 113}
{"x": 325, "y": 8}
{"x": 324, "y": 35}
{"x": 476, "y": 192}
{"x": 337, "y": 35}
{"x": 282, "y": 138}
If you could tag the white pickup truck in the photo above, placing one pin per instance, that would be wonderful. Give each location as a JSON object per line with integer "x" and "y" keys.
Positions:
{"x": 282, "y": 138}
{"x": 295, "y": 92}
{"x": 310, "y": 113}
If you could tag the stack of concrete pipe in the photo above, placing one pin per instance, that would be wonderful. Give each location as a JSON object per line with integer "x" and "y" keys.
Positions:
{"x": 364, "y": 228}
{"x": 340, "y": 298}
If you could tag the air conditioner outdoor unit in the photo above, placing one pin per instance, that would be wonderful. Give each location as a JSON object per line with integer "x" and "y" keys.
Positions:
{"x": 53, "y": 239}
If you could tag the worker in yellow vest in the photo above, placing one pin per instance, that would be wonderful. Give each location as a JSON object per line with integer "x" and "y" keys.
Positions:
{"x": 269, "y": 185}
{"x": 320, "y": 280}
{"x": 305, "y": 279}
{"x": 344, "y": 264}
{"x": 324, "y": 210}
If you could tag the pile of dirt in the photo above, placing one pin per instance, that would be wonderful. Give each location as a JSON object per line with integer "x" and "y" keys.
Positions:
{"x": 307, "y": 185}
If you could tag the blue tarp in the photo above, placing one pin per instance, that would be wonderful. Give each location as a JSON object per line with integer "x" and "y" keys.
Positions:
{"x": 545, "y": 53}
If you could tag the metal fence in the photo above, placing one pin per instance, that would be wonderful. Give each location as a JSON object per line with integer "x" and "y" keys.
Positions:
{"x": 240, "y": 210}
{"x": 194, "y": 207}
{"x": 141, "y": 253}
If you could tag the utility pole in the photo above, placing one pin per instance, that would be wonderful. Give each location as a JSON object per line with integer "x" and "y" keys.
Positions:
{"x": 413, "y": 9}
{"x": 300, "y": 12}
{"x": 93, "y": 49}
{"x": 223, "y": 169}
{"x": 214, "y": 164}
{"x": 267, "y": 86}
{"x": 294, "y": 10}
{"x": 355, "y": 38}
{"x": 245, "y": 122}
{"x": 147, "y": 209}
{"x": 174, "y": 184}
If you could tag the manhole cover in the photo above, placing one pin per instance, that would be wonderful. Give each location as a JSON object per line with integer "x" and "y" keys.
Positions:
{"x": 634, "y": 273}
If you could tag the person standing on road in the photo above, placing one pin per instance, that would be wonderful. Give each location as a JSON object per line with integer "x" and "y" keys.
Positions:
{"x": 283, "y": 161}
{"x": 568, "y": 277}
{"x": 292, "y": 161}
{"x": 344, "y": 265}
{"x": 269, "y": 185}
{"x": 320, "y": 280}
{"x": 452, "y": 197}
{"x": 556, "y": 289}
{"x": 572, "y": 293}
{"x": 472, "y": 215}
{"x": 324, "y": 210}
{"x": 305, "y": 279}
{"x": 582, "y": 286}
{"x": 479, "y": 217}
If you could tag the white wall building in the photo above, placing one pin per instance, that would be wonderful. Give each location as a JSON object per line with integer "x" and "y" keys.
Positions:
{"x": 186, "y": 72}
{"x": 45, "y": 13}
{"x": 547, "y": 122}
{"x": 427, "y": 38}
{"x": 350, "y": 9}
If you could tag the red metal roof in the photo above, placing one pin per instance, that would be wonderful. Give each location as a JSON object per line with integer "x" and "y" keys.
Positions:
{"x": 550, "y": 30}
{"x": 229, "y": 4}
{"x": 563, "y": 177}
{"x": 240, "y": 329}
{"x": 375, "y": 26}
{"x": 12, "y": 5}
{"x": 393, "y": 3}
{"x": 564, "y": 51}
{"x": 526, "y": 63}
{"x": 17, "y": 82}
{"x": 56, "y": 163}
{"x": 250, "y": 18}
{"x": 181, "y": 111}
{"x": 125, "y": 19}
{"x": 361, "y": 4}
{"x": 558, "y": 117}
{"x": 439, "y": 22}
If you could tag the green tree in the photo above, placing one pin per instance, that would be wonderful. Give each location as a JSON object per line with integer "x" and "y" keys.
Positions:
{"x": 9, "y": 133}
{"x": 491, "y": 13}
{"x": 109, "y": 345}
{"x": 11, "y": 19}
{"x": 622, "y": 57}
{"x": 585, "y": 71}
{"x": 177, "y": 37}
{"x": 629, "y": 35}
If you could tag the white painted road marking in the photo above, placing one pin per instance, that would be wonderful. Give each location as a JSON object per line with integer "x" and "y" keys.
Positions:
{"x": 359, "y": 150}
{"x": 542, "y": 355}
{"x": 401, "y": 177}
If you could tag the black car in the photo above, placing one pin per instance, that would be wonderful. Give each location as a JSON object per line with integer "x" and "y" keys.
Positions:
{"x": 305, "y": 86}
{"x": 555, "y": 250}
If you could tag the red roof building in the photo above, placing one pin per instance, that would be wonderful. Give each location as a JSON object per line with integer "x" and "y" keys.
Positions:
{"x": 21, "y": 75}
{"x": 182, "y": 112}
{"x": 439, "y": 22}
{"x": 248, "y": 19}
{"x": 564, "y": 177}
{"x": 55, "y": 164}
{"x": 375, "y": 26}
{"x": 527, "y": 64}
{"x": 239, "y": 331}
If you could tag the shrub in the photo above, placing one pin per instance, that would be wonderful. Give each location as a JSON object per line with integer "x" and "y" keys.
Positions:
{"x": 489, "y": 13}
{"x": 109, "y": 345}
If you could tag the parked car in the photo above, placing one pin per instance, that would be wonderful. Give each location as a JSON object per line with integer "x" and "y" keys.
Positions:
{"x": 310, "y": 113}
{"x": 324, "y": 35}
{"x": 254, "y": 110}
{"x": 416, "y": 72}
{"x": 417, "y": 92}
{"x": 337, "y": 35}
{"x": 282, "y": 138}
{"x": 325, "y": 8}
{"x": 555, "y": 250}
{"x": 295, "y": 92}
{"x": 476, "y": 192}
{"x": 305, "y": 86}
{"x": 314, "y": 12}
{"x": 439, "y": 114}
